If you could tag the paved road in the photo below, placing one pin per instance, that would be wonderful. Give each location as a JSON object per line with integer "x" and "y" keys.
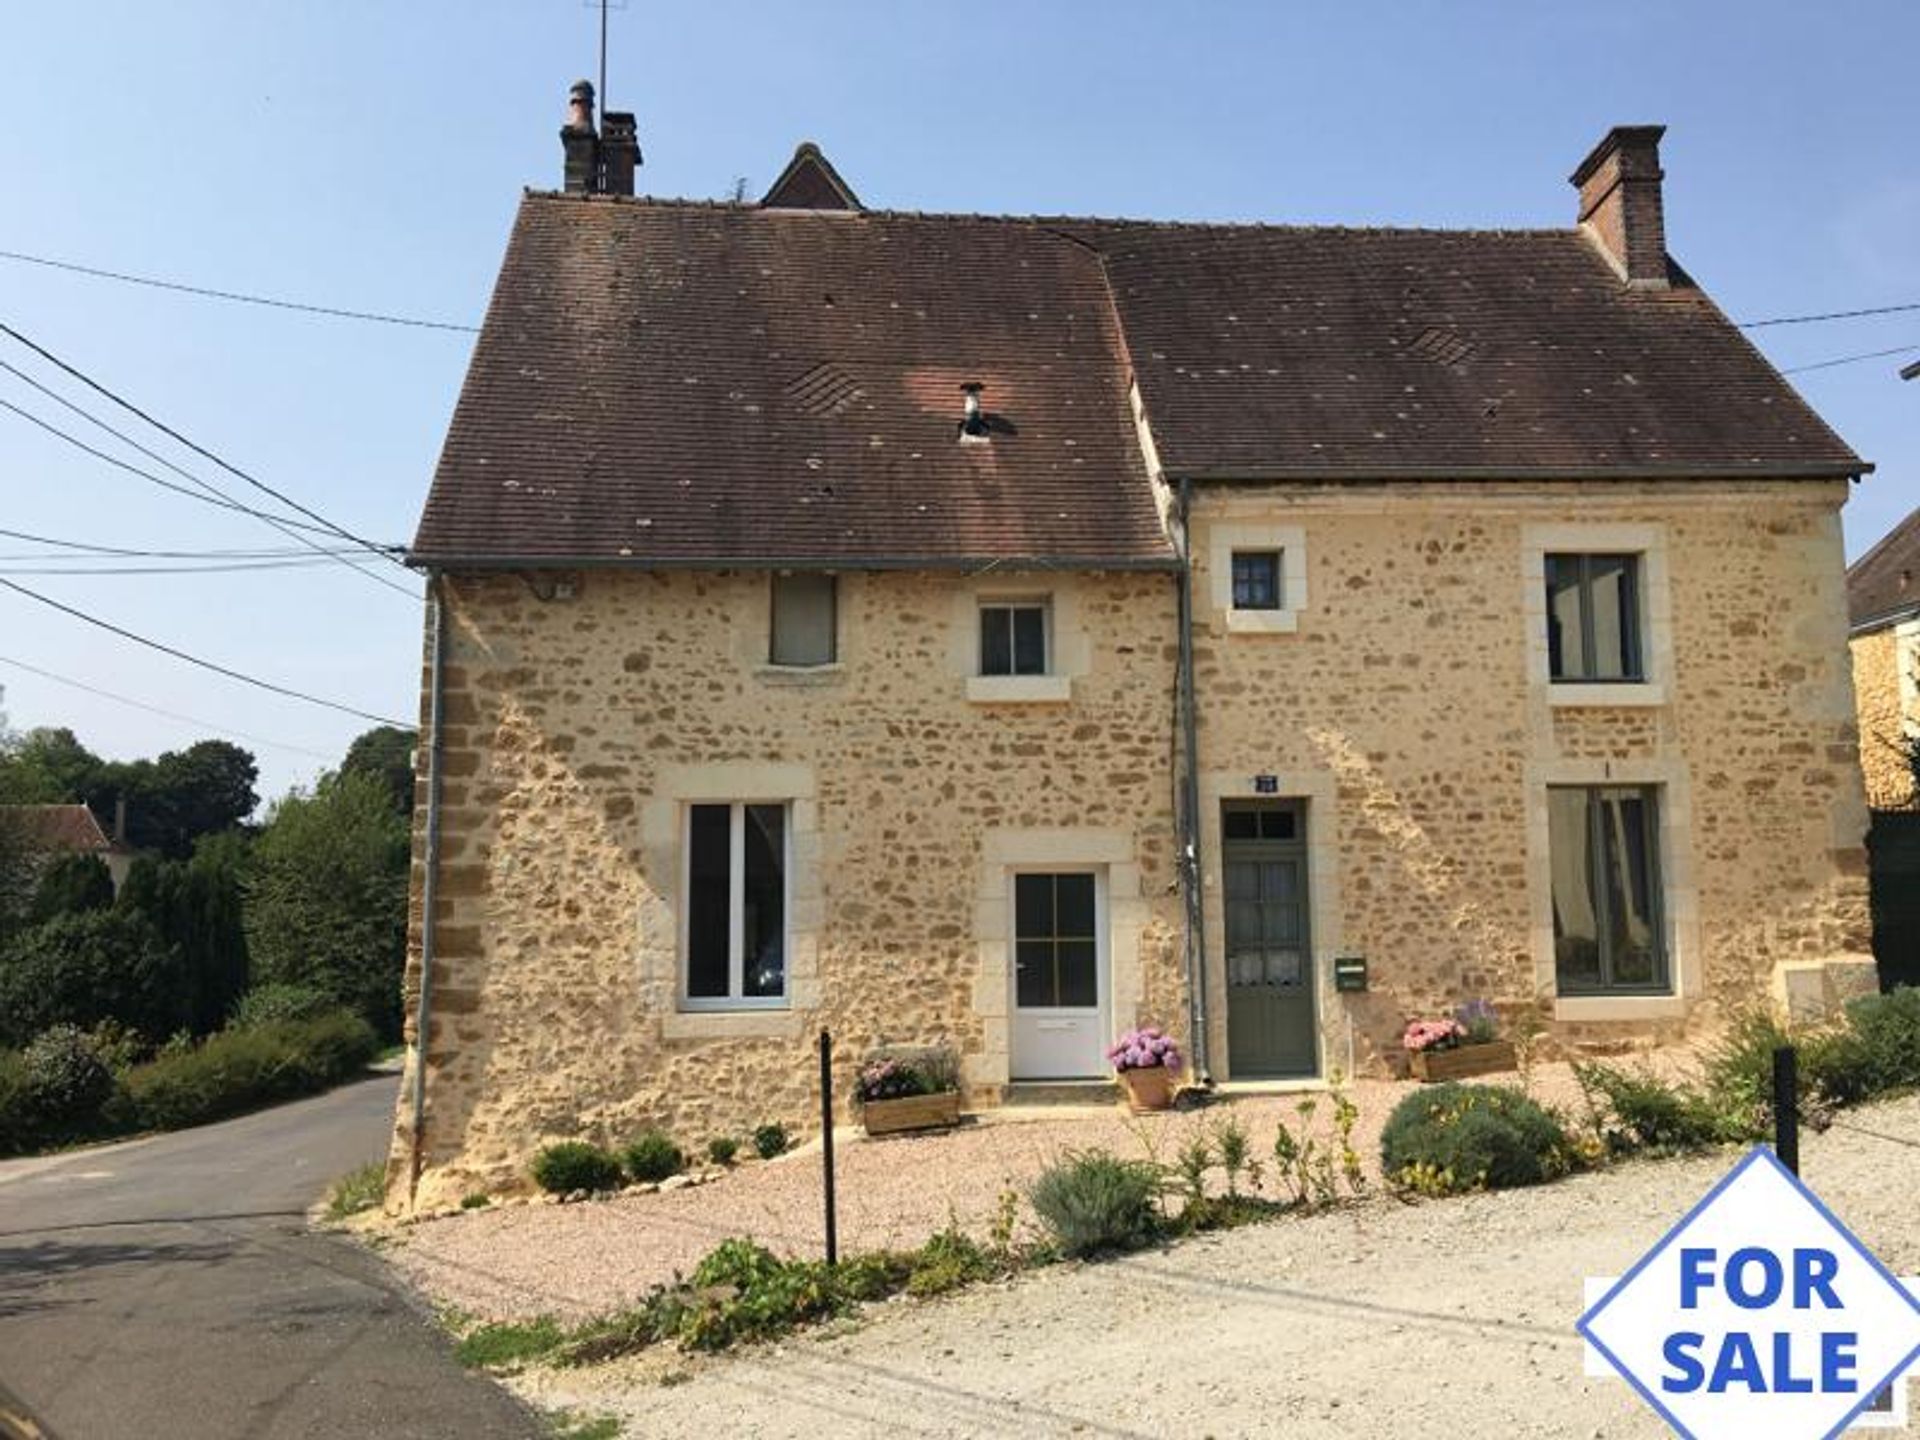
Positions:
{"x": 169, "y": 1288}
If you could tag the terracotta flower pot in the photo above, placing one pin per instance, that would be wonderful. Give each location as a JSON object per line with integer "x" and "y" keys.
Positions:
{"x": 1148, "y": 1089}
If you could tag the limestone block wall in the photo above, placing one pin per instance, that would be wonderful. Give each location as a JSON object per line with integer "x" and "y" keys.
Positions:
{"x": 1886, "y": 689}
{"x": 579, "y": 725}
{"x": 1404, "y": 694}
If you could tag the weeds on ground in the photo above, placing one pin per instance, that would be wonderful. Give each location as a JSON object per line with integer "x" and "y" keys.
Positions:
{"x": 358, "y": 1190}
{"x": 569, "y": 1425}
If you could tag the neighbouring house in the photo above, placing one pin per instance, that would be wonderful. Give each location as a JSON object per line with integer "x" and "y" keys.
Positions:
{"x": 56, "y": 831}
{"x": 1883, "y": 599}
{"x": 1001, "y": 631}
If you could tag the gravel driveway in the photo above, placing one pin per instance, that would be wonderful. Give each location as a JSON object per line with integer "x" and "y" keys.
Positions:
{"x": 1382, "y": 1320}
{"x": 580, "y": 1260}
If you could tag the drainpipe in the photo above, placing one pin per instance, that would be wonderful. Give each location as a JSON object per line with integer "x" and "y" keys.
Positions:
{"x": 1190, "y": 826}
{"x": 430, "y": 880}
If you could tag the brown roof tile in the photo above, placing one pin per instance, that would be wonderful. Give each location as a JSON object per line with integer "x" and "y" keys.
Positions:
{"x": 1883, "y": 585}
{"x": 71, "y": 828}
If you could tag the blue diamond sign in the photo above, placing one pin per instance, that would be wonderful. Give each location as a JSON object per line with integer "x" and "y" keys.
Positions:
{"x": 1759, "y": 1315}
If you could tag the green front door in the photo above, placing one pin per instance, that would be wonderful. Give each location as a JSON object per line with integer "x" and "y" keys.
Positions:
{"x": 1270, "y": 1001}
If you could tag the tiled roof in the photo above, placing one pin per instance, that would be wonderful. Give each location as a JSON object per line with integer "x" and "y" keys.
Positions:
{"x": 70, "y": 828}
{"x": 669, "y": 383}
{"x": 1883, "y": 585}
{"x": 664, "y": 382}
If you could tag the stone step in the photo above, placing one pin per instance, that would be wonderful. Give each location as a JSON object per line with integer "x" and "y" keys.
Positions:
{"x": 1061, "y": 1092}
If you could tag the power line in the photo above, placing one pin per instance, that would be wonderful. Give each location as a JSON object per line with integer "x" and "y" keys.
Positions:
{"x": 411, "y": 321}
{"x": 1850, "y": 359}
{"x": 217, "y": 669}
{"x": 116, "y": 550}
{"x": 228, "y": 568}
{"x": 284, "y": 524}
{"x": 384, "y": 552}
{"x": 158, "y": 710}
{"x": 1829, "y": 315}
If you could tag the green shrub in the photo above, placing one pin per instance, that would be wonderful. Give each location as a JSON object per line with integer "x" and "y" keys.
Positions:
{"x": 1740, "y": 1073}
{"x": 1888, "y": 1027}
{"x": 475, "y": 1201}
{"x": 273, "y": 1004}
{"x": 71, "y": 884}
{"x": 1448, "y": 1138}
{"x": 651, "y": 1156}
{"x": 575, "y": 1165}
{"x": 238, "y": 1070}
{"x": 771, "y": 1140}
{"x": 722, "y": 1149}
{"x": 358, "y": 1190}
{"x": 63, "y": 1085}
{"x": 84, "y": 968}
{"x": 949, "y": 1260}
{"x": 1093, "y": 1201}
{"x": 509, "y": 1345}
{"x": 742, "y": 1291}
{"x": 1639, "y": 1111}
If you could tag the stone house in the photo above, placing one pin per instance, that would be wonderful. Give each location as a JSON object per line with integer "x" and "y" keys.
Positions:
{"x": 55, "y": 832}
{"x": 1883, "y": 599}
{"x": 1001, "y": 631}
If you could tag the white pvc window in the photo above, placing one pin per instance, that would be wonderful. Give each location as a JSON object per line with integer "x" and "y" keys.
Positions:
{"x": 735, "y": 933}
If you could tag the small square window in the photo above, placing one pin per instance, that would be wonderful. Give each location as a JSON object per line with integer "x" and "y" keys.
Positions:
{"x": 803, "y": 620}
{"x": 1593, "y": 618}
{"x": 1013, "y": 638}
{"x": 1256, "y": 579}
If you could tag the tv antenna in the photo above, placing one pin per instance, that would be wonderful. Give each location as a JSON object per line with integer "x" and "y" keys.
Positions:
{"x": 603, "y": 6}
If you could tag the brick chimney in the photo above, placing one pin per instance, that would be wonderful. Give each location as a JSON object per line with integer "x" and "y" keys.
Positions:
{"x": 619, "y": 152}
{"x": 1620, "y": 205}
{"x": 577, "y": 138}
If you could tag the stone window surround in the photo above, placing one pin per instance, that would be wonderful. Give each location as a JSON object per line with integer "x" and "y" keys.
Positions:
{"x": 1906, "y": 666}
{"x": 1680, "y": 902}
{"x": 1319, "y": 789}
{"x": 1290, "y": 541}
{"x": 1069, "y": 650}
{"x": 663, "y": 860}
{"x": 1649, "y": 542}
{"x": 1003, "y": 854}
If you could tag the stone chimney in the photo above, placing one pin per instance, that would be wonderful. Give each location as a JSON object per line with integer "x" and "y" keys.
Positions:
{"x": 581, "y": 144}
{"x": 619, "y": 152}
{"x": 1620, "y": 205}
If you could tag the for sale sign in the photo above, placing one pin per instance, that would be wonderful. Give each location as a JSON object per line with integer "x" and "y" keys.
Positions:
{"x": 1759, "y": 1315}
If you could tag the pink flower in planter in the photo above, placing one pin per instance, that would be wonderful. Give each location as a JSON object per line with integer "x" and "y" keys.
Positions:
{"x": 1147, "y": 1048}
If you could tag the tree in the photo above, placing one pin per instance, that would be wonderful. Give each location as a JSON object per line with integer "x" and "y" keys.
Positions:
{"x": 174, "y": 800}
{"x": 48, "y": 766}
{"x": 386, "y": 753}
{"x": 326, "y": 896}
{"x": 71, "y": 884}
{"x": 196, "y": 907}
{"x": 82, "y": 969}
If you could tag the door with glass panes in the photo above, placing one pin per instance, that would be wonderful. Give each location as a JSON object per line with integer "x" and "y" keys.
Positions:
{"x": 1269, "y": 959}
{"x": 1059, "y": 1029}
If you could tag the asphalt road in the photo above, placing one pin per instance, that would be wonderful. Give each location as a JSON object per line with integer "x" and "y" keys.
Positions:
{"x": 170, "y": 1288}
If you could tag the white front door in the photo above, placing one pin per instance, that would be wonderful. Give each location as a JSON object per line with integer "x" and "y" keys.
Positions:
{"x": 1059, "y": 949}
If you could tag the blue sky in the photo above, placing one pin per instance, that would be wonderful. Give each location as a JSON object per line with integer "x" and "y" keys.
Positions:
{"x": 370, "y": 155}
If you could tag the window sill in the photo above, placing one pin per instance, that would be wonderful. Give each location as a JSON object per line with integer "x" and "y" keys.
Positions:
{"x": 1619, "y": 1007}
{"x": 1263, "y": 622}
{"x": 1624, "y": 694}
{"x": 802, "y": 675}
{"x": 761, "y": 1022}
{"x": 1019, "y": 689}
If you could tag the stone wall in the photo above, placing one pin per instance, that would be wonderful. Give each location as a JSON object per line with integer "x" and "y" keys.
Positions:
{"x": 1886, "y": 674}
{"x": 578, "y": 726}
{"x": 1404, "y": 694}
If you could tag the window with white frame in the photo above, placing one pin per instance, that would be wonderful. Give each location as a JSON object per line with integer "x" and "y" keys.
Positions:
{"x": 1257, "y": 580}
{"x": 735, "y": 947}
{"x": 1608, "y": 932}
{"x": 804, "y": 620}
{"x": 1013, "y": 637}
{"x": 1594, "y": 624}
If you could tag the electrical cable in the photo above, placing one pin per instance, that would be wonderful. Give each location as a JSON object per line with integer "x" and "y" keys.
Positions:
{"x": 1850, "y": 359}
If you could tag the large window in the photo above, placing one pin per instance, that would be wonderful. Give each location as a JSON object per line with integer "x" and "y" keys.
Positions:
{"x": 736, "y": 914}
{"x": 1013, "y": 638}
{"x": 803, "y": 619}
{"x": 1607, "y": 929}
{"x": 1593, "y": 618}
{"x": 1256, "y": 579}
{"x": 1056, "y": 945}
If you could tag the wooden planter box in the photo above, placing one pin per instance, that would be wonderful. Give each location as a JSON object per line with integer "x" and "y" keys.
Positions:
{"x": 1433, "y": 1066}
{"x": 911, "y": 1112}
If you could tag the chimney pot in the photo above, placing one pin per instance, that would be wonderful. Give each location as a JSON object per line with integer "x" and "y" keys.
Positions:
{"x": 1621, "y": 207}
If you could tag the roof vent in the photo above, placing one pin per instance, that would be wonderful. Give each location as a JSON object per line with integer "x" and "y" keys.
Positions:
{"x": 973, "y": 421}
{"x": 1443, "y": 345}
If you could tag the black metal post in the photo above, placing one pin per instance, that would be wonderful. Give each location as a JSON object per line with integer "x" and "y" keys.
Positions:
{"x": 1786, "y": 1107}
{"x": 826, "y": 1142}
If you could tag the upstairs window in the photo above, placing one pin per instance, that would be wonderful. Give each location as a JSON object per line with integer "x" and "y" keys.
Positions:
{"x": 1256, "y": 580}
{"x": 736, "y": 906}
{"x": 1013, "y": 638}
{"x": 1593, "y": 618}
{"x": 803, "y": 619}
